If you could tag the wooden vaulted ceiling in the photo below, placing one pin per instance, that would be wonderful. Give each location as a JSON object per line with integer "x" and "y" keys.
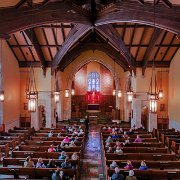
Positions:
{"x": 40, "y": 36}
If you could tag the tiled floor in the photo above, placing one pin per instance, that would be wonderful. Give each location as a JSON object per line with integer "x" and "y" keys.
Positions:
{"x": 92, "y": 164}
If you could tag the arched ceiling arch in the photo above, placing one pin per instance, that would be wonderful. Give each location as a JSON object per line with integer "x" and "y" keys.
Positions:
{"x": 12, "y": 19}
{"x": 96, "y": 17}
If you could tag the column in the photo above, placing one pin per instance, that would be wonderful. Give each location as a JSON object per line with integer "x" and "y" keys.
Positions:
{"x": 152, "y": 122}
{"x": 136, "y": 113}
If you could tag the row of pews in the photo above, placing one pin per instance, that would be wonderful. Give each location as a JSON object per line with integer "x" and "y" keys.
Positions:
{"x": 170, "y": 138}
{"x": 36, "y": 145}
{"x": 161, "y": 163}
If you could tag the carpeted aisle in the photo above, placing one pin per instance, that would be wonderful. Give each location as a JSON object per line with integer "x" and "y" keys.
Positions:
{"x": 92, "y": 164}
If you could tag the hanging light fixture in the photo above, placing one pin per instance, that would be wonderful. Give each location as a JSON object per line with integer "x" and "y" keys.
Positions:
{"x": 72, "y": 88}
{"x": 160, "y": 95}
{"x": 1, "y": 76}
{"x": 153, "y": 88}
{"x": 31, "y": 91}
{"x": 119, "y": 93}
{"x": 114, "y": 85}
{"x": 56, "y": 92}
{"x": 129, "y": 91}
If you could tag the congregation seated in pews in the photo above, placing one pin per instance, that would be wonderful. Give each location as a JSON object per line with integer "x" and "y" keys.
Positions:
{"x": 46, "y": 157}
{"x": 137, "y": 155}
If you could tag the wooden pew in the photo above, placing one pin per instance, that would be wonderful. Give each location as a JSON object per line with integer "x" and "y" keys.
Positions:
{"x": 150, "y": 174}
{"x": 131, "y": 135}
{"x": 34, "y": 154}
{"x": 48, "y": 143}
{"x": 54, "y": 134}
{"x": 151, "y": 164}
{"x": 132, "y": 139}
{"x": 176, "y": 145}
{"x": 45, "y": 148}
{"x": 80, "y": 139}
{"x": 143, "y": 144}
{"x": 4, "y": 148}
{"x": 35, "y": 172}
{"x": 143, "y": 150}
{"x": 141, "y": 156}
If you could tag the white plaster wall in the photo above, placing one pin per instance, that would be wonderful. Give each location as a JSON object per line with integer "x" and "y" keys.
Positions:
{"x": 174, "y": 92}
{"x": 11, "y": 85}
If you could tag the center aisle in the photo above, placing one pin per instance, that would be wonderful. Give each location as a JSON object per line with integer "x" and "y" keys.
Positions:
{"x": 92, "y": 164}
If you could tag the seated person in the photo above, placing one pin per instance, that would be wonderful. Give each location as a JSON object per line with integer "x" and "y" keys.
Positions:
{"x": 109, "y": 130}
{"x": 113, "y": 165}
{"x": 50, "y": 134}
{"x": 117, "y": 144}
{"x": 75, "y": 132}
{"x": 109, "y": 150}
{"x": 129, "y": 165}
{"x": 109, "y": 139}
{"x": 131, "y": 176}
{"x": 28, "y": 162}
{"x": 107, "y": 145}
{"x": 40, "y": 163}
{"x": 125, "y": 135}
{"x": 138, "y": 139}
{"x": 74, "y": 156}
{"x": 120, "y": 131}
{"x": 59, "y": 148}
{"x": 51, "y": 164}
{"x": 118, "y": 150}
{"x": 76, "y": 139}
{"x": 143, "y": 166}
{"x": 72, "y": 144}
{"x": 127, "y": 141}
{"x": 130, "y": 132}
{"x": 81, "y": 132}
{"x": 63, "y": 155}
{"x": 52, "y": 149}
{"x": 114, "y": 135}
{"x": 59, "y": 135}
{"x": 66, "y": 164}
{"x": 62, "y": 144}
{"x": 117, "y": 175}
{"x": 58, "y": 175}
{"x": 66, "y": 139}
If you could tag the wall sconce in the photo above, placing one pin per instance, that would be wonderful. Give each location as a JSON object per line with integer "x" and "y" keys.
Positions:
{"x": 56, "y": 97}
{"x": 1, "y": 96}
{"x": 129, "y": 96}
{"x": 66, "y": 93}
{"x": 119, "y": 94}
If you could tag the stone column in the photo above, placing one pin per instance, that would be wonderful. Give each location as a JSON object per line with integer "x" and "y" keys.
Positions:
{"x": 152, "y": 122}
{"x": 44, "y": 99}
{"x": 136, "y": 113}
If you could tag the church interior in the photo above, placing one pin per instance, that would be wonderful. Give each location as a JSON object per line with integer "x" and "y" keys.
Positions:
{"x": 89, "y": 89}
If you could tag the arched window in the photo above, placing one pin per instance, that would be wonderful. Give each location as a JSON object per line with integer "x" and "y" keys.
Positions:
{"x": 94, "y": 81}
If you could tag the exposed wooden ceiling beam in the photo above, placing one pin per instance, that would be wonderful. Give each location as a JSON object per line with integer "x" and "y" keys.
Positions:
{"x": 81, "y": 47}
{"x": 109, "y": 32}
{"x": 162, "y": 64}
{"x": 128, "y": 11}
{"x": 32, "y": 36}
{"x": 77, "y": 32}
{"x": 167, "y": 3}
{"x": 27, "y": 17}
{"x": 23, "y": 64}
{"x": 20, "y": 3}
{"x": 141, "y": 1}
{"x": 152, "y": 43}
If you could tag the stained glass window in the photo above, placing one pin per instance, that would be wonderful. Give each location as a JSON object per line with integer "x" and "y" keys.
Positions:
{"x": 94, "y": 81}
